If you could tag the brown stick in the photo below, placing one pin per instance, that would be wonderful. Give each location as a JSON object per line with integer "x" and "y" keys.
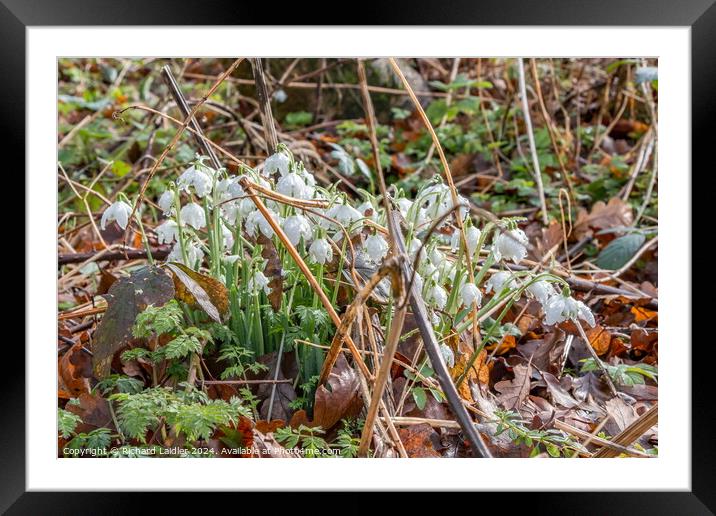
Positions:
{"x": 123, "y": 254}
{"x": 264, "y": 106}
{"x": 631, "y": 433}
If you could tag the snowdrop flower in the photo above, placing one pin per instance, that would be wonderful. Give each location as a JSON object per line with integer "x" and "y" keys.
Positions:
{"x": 166, "y": 202}
{"x": 293, "y": 185}
{"x": 437, "y": 199}
{"x": 413, "y": 250}
{"x": 437, "y": 296}
{"x": 448, "y": 355}
{"x": 280, "y": 96}
{"x": 376, "y": 247}
{"x": 344, "y": 214}
{"x": 470, "y": 294}
{"x": 259, "y": 282}
{"x": 230, "y": 211}
{"x": 228, "y": 237}
{"x": 194, "y": 215}
{"x": 278, "y": 162}
{"x": 511, "y": 245}
{"x": 199, "y": 178}
{"x": 472, "y": 236}
{"x": 167, "y": 232}
{"x": 364, "y": 208}
{"x": 436, "y": 257}
{"x": 295, "y": 227}
{"x": 428, "y": 269}
{"x": 119, "y": 211}
{"x": 257, "y": 220}
{"x": 499, "y": 281}
{"x": 232, "y": 259}
{"x": 194, "y": 254}
{"x": 320, "y": 251}
{"x": 542, "y": 290}
{"x": 560, "y": 308}
{"x": 404, "y": 206}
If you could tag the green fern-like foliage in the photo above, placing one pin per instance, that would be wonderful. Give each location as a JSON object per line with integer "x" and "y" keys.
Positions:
{"x": 67, "y": 422}
{"x": 190, "y": 412}
{"x": 158, "y": 320}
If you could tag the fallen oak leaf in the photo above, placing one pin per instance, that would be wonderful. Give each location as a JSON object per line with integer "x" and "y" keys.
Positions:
{"x": 513, "y": 392}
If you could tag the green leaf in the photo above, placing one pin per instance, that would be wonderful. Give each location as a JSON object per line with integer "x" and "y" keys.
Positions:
{"x": 67, "y": 422}
{"x": 120, "y": 168}
{"x": 420, "y": 397}
{"x": 619, "y": 251}
{"x": 298, "y": 119}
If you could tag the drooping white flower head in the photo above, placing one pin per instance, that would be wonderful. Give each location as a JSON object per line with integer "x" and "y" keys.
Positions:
{"x": 376, "y": 247}
{"x": 280, "y": 96}
{"x": 166, "y": 202}
{"x": 437, "y": 258}
{"x": 472, "y": 236}
{"x": 559, "y": 308}
{"x": 258, "y": 281}
{"x": 429, "y": 270}
{"x": 320, "y": 251}
{"x": 230, "y": 211}
{"x": 194, "y": 255}
{"x": 257, "y": 220}
{"x": 344, "y": 214}
{"x": 499, "y": 281}
{"x": 119, "y": 211}
{"x": 404, "y": 206}
{"x": 448, "y": 355}
{"x": 541, "y": 290}
{"x": 469, "y": 293}
{"x": 367, "y": 210}
{"x": 278, "y": 162}
{"x": 197, "y": 177}
{"x": 437, "y": 296}
{"x": 436, "y": 199}
{"x": 413, "y": 247}
{"x": 511, "y": 245}
{"x": 194, "y": 215}
{"x": 228, "y": 237}
{"x": 295, "y": 227}
{"x": 167, "y": 232}
{"x": 293, "y": 185}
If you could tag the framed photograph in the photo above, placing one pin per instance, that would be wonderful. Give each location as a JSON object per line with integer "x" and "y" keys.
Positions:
{"x": 409, "y": 249}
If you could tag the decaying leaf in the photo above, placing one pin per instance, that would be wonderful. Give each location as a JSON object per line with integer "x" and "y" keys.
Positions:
{"x": 94, "y": 411}
{"x": 478, "y": 373}
{"x": 603, "y": 216}
{"x": 419, "y": 440}
{"x": 125, "y": 299}
{"x": 599, "y": 338}
{"x": 272, "y": 271}
{"x": 200, "y": 291}
{"x": 75, "y": 369}
{"x": 513, "y": 392}
{"x": 340, "y": 398}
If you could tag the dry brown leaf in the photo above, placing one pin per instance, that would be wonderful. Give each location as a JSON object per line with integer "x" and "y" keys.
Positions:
{"x": 272, "y": 271}
{"x": 513, "y": 392}
{"x": 600, "y": 339}
{"x": 200, "y": 291}
{"x": 418, "y": 440}
{"x": 478, "y": 373}
{"x": 603, "y": 216}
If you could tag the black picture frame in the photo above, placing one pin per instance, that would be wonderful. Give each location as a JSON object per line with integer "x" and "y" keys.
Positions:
{"x": 700, "y": 15}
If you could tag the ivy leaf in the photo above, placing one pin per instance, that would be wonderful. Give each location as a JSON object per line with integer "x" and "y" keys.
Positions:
{"x": 619, "y": 251}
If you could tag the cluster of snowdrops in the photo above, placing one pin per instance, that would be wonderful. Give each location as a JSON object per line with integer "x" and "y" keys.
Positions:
{"x": 209, "y": 217}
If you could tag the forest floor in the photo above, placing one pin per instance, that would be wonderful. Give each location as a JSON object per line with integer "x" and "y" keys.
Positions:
{"x": 333, "y": 257}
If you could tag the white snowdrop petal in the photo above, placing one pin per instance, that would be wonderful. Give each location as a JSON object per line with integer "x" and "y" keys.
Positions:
{"x": 470, "y": 294}
{"x": 166, "y": 202}
{"x": 376, "y": 247}
{"x": 167, "y": 232}
{"x": 511, "y": 245}
{"x": 278, "y": 162}
{"x": 119, "y": 212}
{"x": 194, "y": 215}
{"x": 320, "y": 251}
